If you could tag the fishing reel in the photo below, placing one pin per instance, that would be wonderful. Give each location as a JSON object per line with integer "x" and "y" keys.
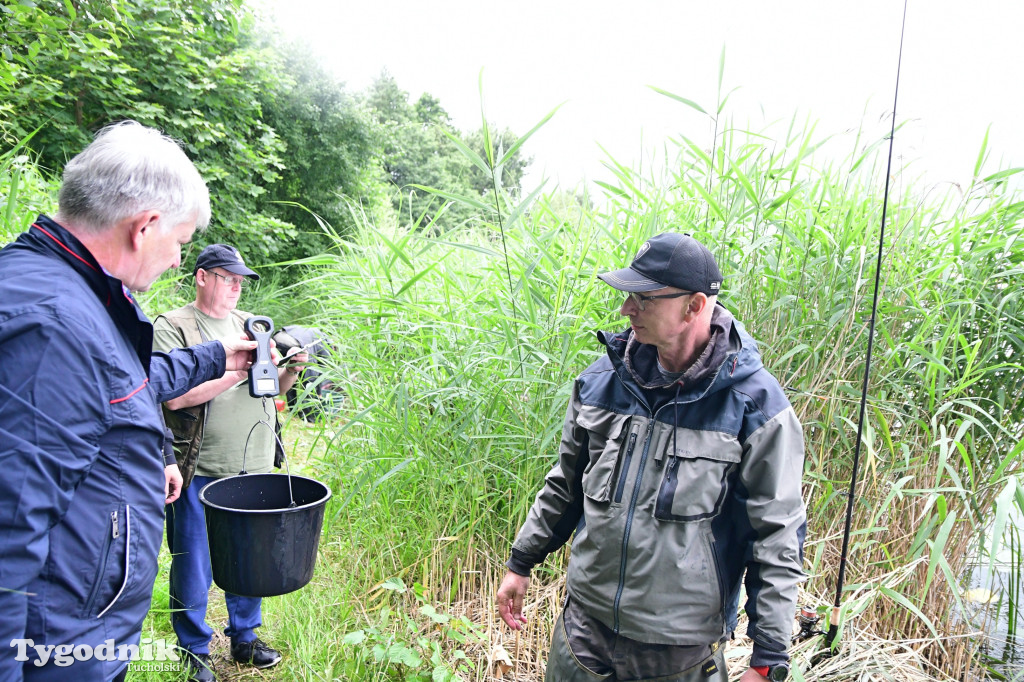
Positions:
{"x": 808, "y": 619}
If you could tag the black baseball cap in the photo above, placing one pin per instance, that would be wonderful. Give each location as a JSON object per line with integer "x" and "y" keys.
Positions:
{"x": 223, "y": 256}
{"x": 669, "y": 260}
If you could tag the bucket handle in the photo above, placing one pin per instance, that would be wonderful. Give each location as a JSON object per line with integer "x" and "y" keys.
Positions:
{"x": 266, "y": 422}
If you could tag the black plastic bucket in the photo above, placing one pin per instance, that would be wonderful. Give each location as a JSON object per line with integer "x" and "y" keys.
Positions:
{"x": 259, "y": 545}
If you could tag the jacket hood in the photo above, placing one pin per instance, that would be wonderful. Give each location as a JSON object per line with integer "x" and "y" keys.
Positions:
{"x": 730, "y": 356}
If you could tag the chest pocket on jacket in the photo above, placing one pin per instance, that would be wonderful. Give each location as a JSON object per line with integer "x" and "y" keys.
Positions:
{"x": 694, "y": 486}
{"x": 608, "y": 433}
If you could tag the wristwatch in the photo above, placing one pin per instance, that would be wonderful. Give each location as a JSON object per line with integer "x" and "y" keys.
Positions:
{"x": 776, "y": 673}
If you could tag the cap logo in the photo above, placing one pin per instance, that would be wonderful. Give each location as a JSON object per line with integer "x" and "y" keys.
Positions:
{"x": 715, "y": 285}
{"x": 643, "y": 249}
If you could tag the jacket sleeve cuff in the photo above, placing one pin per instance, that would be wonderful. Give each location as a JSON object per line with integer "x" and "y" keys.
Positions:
{"x": 169, "y": 457}
{"x": 519, "y": 565}
{"x": 763, "y": 656}
{"x": 220, "y": 358}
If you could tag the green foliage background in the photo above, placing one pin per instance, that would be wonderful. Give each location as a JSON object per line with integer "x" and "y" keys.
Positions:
{"x": 461, "y": 310}
{"x": 279, "y": 141}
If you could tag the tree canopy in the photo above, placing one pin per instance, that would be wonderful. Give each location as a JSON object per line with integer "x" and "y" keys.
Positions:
{"x": 276, "y": 137}
{"x": 417, "y": 152}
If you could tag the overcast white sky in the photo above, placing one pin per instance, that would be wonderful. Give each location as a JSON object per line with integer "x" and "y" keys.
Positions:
{"x": 832, "y": 61}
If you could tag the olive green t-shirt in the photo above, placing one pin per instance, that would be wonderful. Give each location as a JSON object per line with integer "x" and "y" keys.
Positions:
{"x": 231, "y": 415}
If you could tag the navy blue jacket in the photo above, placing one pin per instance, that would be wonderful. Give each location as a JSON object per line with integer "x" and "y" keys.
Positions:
{"x": 81, "y": 468}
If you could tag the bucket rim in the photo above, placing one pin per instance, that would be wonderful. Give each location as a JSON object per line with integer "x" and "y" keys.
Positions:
{"x": 311, "y": 505}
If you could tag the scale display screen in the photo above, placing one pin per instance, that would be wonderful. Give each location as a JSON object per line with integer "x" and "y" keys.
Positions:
{"x": 265, "y": 385}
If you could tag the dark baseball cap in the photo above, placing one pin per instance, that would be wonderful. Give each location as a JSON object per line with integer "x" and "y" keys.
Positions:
{"x": 669, "y": 260}
{"x": 223, "y": 256}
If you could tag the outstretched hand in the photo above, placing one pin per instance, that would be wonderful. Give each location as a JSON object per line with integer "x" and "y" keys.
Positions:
{"x": 238, "y": 352}
{"x": 510, "y": 599}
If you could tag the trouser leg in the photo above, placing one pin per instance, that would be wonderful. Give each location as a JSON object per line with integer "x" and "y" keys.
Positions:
{"x": 584, "y": 650}
{"x": 244, "y": 616}
{"x": 711, "y": 670}
{"x": 562, "y": 664}
{"x": 191, "y": 575}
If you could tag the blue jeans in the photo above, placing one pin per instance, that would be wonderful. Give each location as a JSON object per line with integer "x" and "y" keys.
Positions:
{"x": 191, "y": 577}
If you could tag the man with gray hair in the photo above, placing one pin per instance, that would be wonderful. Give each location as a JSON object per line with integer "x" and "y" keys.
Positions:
{"x": 679, "y": 472}
{"x": 83, "y": 486}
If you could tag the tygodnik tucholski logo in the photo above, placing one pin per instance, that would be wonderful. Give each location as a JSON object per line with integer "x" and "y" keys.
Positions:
{"x": 149, "y": 654}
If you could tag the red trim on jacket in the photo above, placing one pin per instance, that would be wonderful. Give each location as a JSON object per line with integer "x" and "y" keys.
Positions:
{"x": 121, "y": 400}
{"x": 62, "y": 245}
{"x": 59, "y": 242}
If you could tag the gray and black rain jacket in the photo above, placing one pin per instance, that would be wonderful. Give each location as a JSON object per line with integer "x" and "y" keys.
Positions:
{"x": 674, "y": 492}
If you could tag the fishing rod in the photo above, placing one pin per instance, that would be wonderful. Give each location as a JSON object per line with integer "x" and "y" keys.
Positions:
{"x": 833, "y": 629}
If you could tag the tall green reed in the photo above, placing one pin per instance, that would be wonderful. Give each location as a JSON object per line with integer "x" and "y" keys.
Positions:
{"x": 458, "y": 351}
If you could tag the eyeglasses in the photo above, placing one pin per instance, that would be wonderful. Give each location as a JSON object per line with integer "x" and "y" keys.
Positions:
{"x": 231, "y": 280}
{"x": 641, "y": 300}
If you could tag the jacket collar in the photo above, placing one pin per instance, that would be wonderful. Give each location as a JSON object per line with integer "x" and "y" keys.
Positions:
{"x": 50, "y": 238}
{"x": 637, "y": 363}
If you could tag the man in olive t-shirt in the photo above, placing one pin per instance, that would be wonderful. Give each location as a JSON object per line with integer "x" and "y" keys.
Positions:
{"x": 230, "y": 415}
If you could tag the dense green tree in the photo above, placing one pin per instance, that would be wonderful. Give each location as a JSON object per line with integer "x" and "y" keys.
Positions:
{"x": 330, "y": 154}
{"x": 273, "y": 134}
{"x": 30, "y": 28}
{"x": 416, "y": 150}
{"x": 182, "y": 66}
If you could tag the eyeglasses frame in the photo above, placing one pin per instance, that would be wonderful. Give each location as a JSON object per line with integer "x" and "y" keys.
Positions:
{"x": 229, "y": 280}
{"x": 641, "y": 301}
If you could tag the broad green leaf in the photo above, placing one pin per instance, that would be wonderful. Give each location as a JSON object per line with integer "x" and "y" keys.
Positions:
{"x": 473, "y": 157}
{"x": 1003, "y": 506}
{"x": 462, "y": 199}
{"x": 982, "y": 153}
{"x": 394, "y": 584}
{"x": 431, "y": 613}
{"x": 353, "y": 638}
{"x": 1004, "y": 174}
{"x": 937, "y": 550}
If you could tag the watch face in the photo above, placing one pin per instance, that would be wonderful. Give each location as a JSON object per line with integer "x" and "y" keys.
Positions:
{"x": 778, "y": 673}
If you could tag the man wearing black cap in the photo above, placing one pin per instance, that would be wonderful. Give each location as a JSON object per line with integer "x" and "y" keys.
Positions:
{"x": 679, "y": 473}
{"x": 212, "y": 425}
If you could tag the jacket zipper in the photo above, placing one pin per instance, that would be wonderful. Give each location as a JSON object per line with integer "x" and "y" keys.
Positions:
{"x": 624, "y": 471}
{"x": 631, "y": 512}
{"x": 107, "y": 540}
{"x": 629, "y": 522}
{"x": 639, "y": 476}
{"x": 127, "y": 555}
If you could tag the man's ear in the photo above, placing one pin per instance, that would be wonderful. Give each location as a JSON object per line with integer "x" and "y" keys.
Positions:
{"x": 142, "y": 224}
{"x": 200, "y": 277}
{"x": 698, "y": 302}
